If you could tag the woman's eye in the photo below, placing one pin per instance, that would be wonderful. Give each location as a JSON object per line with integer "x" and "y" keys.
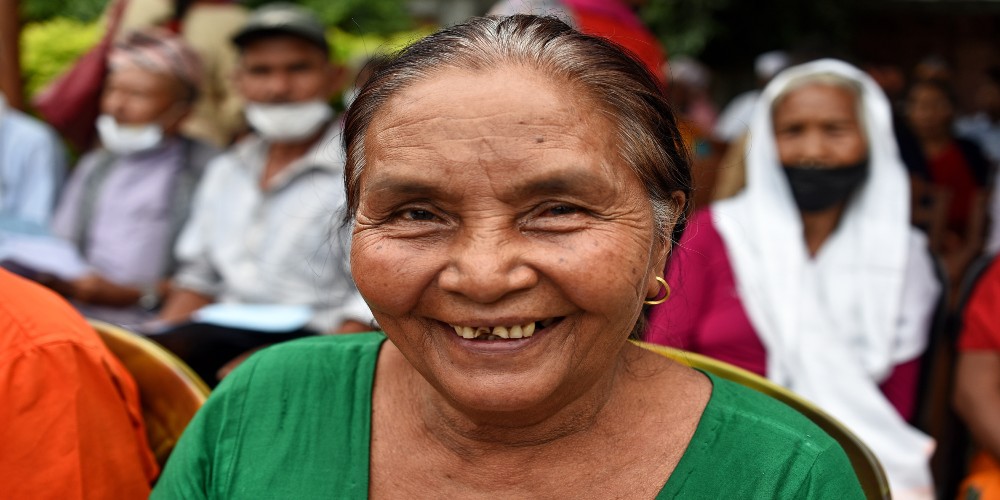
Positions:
{"x": 418, "y": 214}
{"x": 562, "y": 210}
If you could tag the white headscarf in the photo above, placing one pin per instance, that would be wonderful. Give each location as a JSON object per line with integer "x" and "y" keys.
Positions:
{"x": 835, "y": 326}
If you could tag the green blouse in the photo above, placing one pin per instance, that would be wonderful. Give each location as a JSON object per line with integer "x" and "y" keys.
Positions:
{"x": 295, "y": 420}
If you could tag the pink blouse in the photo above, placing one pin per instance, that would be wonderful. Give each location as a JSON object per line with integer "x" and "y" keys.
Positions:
{"x": 705, "y": 314}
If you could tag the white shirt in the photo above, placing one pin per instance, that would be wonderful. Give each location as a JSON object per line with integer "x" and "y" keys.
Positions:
{"x": 283, "y": 245}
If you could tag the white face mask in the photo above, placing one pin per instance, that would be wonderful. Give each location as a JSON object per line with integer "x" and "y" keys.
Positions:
{"x": 127, "y": 139}
{"x": 288, "y": 122}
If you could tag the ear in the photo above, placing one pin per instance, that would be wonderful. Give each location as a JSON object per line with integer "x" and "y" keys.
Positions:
{"x": 661, "y": 253}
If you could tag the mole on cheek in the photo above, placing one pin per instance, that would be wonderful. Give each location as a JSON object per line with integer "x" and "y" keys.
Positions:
{"x": 539, "y": 140}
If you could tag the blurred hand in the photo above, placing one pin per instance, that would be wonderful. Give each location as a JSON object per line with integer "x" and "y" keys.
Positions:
{"x": 89, "y": 288}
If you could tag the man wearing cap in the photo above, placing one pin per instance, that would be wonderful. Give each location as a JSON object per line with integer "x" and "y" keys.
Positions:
{"x": 127, "y": 200}
{"x": 263, "y": 244}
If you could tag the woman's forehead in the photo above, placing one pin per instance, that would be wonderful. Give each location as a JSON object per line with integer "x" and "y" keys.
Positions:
{"x": 524, "y": 110}
{"x": 813, "y": 98}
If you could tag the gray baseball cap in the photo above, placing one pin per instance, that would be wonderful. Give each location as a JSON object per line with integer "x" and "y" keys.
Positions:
{"x": 282, "y": 19}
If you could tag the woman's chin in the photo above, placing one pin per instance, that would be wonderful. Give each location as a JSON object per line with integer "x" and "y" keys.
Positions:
{"x": 505, "y": 399}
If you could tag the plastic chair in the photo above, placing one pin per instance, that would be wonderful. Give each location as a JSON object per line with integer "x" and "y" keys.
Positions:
{"x": 169, "y": 391}
{"x": 868, "y": 469}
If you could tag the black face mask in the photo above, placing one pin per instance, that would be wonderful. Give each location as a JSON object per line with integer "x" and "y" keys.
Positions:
{"x": 817, "y": 189}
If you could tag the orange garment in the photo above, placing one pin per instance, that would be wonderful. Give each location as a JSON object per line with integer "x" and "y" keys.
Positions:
{"x": 983, "y": 481}
{"x": 70, "y": 421}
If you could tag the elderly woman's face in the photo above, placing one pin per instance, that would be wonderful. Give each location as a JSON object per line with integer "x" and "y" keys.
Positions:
{"x": 818, "y": 125}
{"x": 496, "y": 203}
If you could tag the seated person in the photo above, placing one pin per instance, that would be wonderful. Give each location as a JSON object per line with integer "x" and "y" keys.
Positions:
{"x": 487, "y": 165}
{"x": 126, "y": 201}
{"x": 260, "y": 233}
{"x": 70, "y": 420}
{"x": 812, "y": 275}
{"x": 32, "y": 169}
{"x": 957, "y": 176}
{"x": 977, "y": 385}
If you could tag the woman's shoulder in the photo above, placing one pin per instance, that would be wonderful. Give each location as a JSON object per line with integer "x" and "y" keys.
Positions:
{"x": 322, "y": 352}
{"x": 769, "y": 450}
{"x": 306, "y": 402}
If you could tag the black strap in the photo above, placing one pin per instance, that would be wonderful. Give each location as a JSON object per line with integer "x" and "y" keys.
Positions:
{"x": 92, "y": 187}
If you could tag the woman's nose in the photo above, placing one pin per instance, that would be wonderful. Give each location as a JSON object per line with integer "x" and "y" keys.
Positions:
{"x": 813, "y": 150}
{"x": 486, "y": 266}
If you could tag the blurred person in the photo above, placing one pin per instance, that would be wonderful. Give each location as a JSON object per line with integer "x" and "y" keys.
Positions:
{"x": 32, "y": 171}
{"x": 206, "y": 26}
{"x": 258, "y": 249}
{"x": 729, "y": 135}
{"x": 812, "y": 276}
{"x": 957, "y": 170}
{"x": 127, "y": 200}
{"x": 487, "y": 165}
{"x": 983, "y": 126}
{"x": 70, "y": 422}
{"x": 977, "y": 385}
{"x": 688, "y": 92}
{"x": 892, "y": 80}
{"x": 735, "y": 118}
{"x": 932, "y": 67}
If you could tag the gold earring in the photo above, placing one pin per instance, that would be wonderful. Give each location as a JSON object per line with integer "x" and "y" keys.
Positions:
{"x": 666, "y": 293}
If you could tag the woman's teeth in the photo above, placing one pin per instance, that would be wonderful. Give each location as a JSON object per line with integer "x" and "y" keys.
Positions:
{"x": 501, "y": 332}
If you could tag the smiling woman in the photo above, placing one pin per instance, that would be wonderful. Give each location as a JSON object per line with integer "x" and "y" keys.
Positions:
{"x": 514, "y": 188}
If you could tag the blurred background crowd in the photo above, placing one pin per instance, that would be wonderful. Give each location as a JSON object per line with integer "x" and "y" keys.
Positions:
{"x": 156, "y": 226}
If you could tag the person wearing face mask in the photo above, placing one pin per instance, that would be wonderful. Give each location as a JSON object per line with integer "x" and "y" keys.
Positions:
{"x": 812, "y": 275}
{"x": 127, "y": 200}
{"x": 258, "y": 250}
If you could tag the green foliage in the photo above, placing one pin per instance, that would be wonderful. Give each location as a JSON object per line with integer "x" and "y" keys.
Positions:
{"x": 685, "y": 27}
{"x": 356, "y": 16}
{"x": 42, "y": 10}
{"x": 726, "y": 31}
{"x": 50, "y": 47}
{"x": 349, "y": 48}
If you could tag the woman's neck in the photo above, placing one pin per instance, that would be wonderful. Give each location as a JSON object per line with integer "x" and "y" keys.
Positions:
{"x": 818, "y": 226}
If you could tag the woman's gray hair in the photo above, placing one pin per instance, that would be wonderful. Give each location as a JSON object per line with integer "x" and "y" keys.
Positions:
{"x": 620, "y": 87}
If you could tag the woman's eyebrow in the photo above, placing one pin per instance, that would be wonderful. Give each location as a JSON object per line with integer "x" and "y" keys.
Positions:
{"x": 406, "y": 186}
{"x": 565, "y": 181}
{"x": 562, "y": 181}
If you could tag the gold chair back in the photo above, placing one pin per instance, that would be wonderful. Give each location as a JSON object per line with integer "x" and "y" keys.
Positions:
{"x": 169, "y": 391}
{"x": 866, "y": 466}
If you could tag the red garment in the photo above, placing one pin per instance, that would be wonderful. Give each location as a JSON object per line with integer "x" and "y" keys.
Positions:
{"x": 70, "y": 421}
{"x": 981, "y": 328}
{"x": 950, "y": 169}
{"x": 612, "y": 19}
{"x": 705, "y": 313}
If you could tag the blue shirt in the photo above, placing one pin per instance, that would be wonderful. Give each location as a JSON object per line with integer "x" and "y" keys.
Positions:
{"x": 32, "y": 167}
